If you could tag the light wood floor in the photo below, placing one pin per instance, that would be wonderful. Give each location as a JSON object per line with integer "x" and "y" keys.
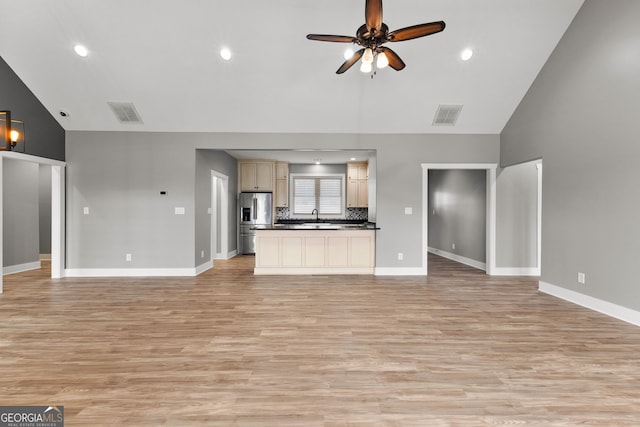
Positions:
{"x": 229, "y": 349}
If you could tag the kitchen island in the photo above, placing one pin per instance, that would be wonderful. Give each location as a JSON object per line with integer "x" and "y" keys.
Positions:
{"x": 315, "y": 248}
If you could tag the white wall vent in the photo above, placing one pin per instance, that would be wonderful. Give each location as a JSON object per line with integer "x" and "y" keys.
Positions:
{"x": 447, "y": 115}
{"x": 125, "y": 112}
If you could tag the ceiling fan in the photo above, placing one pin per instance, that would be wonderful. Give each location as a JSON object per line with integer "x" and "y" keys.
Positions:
{"x": 373, "y": 34}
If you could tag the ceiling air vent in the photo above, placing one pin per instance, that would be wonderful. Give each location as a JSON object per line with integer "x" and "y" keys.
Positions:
{"x": 125, "y": 112}
{"x": 447, "y": 115}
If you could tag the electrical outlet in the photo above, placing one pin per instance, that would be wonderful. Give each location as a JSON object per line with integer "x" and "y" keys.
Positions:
{"x": 453, "y": 246}
{"x": 400, "y": 256}
{"x": 581, "y": 278}
{"x": 201, "y": 254}
{"x": 127, "y": 257}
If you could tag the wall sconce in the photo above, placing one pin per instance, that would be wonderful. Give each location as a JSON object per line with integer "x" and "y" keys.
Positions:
{"x": 11, "y": 131}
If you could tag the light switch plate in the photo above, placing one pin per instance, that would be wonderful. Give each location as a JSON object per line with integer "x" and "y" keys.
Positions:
{"x": 86, "y": 210}
{"x": 179, "y": 211}
{"x": 408, "y": 211}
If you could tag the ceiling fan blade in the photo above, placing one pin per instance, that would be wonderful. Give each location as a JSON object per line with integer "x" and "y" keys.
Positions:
{"x": 373, "y": 14}
{"x": 394, "y": 60}
{"x": 349, "y": 62}
{"x": 330, "y": 38}
{"x": 416, "y": 31}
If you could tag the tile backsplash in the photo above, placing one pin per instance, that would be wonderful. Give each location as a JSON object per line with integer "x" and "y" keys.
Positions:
{"x": 351, "y": 213}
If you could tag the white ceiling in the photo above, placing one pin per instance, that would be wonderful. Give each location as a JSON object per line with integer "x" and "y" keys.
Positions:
{"x": 163, "y": 56}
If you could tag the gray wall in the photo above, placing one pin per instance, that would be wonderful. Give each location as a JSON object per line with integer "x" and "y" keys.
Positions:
{"x": 581, "y": 117}
{"x": 45, "y": 209}
{"x": 119, "y": 176}
{"x": 112, "y": 169}
{"x": 20, "y": 187}
{"x": 517, "y": 216}
{"x": 44, "y": 135}
{"x": 458, "y": 212}
{"x": 219, "y": 161}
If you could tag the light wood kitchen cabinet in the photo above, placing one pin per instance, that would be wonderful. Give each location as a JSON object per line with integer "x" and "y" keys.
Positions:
{"x": 315, "y": 252}
{"x": 256, "y": 175}
{"x": 358, "y": 170}
{"x": 282, "y": 184}
{"x": 357, "y": 185}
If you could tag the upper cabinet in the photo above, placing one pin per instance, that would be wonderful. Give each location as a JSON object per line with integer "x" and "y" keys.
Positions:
{"x": 357, "y": 185}
{"x": 282, "y": 184}
{"x": 256, "y": 175}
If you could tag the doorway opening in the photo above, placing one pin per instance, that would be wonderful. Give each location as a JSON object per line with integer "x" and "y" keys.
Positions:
{"x": 219, "y": 216}
{"x": 490, "y": 217}
{"x": 57, "y": 210}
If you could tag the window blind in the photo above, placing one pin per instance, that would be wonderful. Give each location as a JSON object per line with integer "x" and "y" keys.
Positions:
{"x": 322, "y": 193}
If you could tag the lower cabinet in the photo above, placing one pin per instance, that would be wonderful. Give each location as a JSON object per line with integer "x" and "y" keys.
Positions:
{"x": 315, "y": 252}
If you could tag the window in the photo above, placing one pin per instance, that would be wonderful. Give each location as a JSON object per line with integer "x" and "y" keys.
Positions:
{"x": 324, "y": 193}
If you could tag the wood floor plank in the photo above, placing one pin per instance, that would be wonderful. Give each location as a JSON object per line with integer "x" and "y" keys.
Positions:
{"x": 456, "y": 348}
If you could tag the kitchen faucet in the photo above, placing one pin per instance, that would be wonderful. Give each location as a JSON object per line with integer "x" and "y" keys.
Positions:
{"x": 316, "y": 211}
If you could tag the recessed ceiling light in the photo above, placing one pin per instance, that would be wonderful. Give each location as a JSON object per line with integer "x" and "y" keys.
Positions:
{"x": 348, "y": 53}
{"x": 466, "y": 54}
{"x": 353, "y": 158}
{"x": 81, "y": 50}
{"x": 225, "y": 53}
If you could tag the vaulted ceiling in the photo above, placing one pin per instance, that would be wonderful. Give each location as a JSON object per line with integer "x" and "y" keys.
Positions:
{"x": 163, "y": 56}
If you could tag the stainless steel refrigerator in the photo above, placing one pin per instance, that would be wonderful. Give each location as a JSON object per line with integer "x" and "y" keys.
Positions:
{"x": 255, "y": 209}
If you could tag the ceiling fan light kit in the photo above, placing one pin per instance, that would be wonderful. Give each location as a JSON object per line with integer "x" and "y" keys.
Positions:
{"x": 372, "y": 35}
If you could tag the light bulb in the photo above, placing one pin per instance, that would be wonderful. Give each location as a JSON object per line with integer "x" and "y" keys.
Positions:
{"x": 366, "y": 67}
{"x": 348, "y": 54}
{"x": 466, "y": 54}
{"x": 81, "y": 50}
{"x": 225, "y": 53}
{"x": 382, "y": 60}
{"x": 14, "y": 136}
{"x": 368, "y": 56}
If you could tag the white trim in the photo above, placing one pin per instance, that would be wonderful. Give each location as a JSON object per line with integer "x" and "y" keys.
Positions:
{"x": 539, "y": 218}
{"x": 459, "y": 258}
{"x": 610, "y": 309}
{"x": 214, "y": 251}
{"x": 516, "y": 271}
{"x": 58, "y": 221}
{"x": 400, "y": 271}
{"x": 45, "y": 257}
{"x": 131, "y": 272}
{"x": 203, "y": 267}
{"x": 229, "y": 255}
{"x": 19, "y": 268}
{"x": 309, "y": 270}
{"x": 491, "y": 208}
{"x": 32, "y": 159}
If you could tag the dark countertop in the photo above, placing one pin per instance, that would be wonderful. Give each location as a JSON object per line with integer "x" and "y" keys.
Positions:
{"x": 320, "y": 225}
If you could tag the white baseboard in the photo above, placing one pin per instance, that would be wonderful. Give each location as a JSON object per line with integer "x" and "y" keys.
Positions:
{"x": 19, "y": 268}
{"x": 203, "y": 267}
{"x": 130, "y": 272}
{"x": 308, "y": 270}
{"x": 605, "y": 307}
{"x": 515, "y": 271}
{"x": 227, "y": 256}
{"x": 400, "y": 271}
{"x": 45, "y": 257}
{"x": 458, "y": 258}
